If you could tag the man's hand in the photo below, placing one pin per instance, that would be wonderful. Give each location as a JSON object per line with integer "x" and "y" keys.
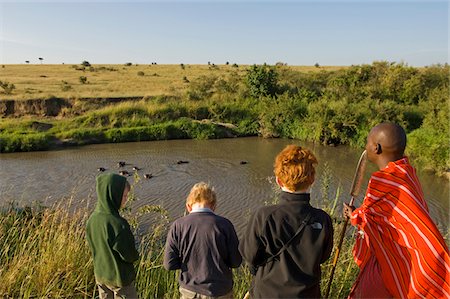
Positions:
{"x": 348, "y": 210}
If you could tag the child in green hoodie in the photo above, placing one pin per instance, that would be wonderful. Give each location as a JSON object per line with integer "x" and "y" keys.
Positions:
{"x": 111, "y": 241}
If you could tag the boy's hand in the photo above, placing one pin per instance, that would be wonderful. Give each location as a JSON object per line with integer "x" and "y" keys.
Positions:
{"x": 348, "y": 210}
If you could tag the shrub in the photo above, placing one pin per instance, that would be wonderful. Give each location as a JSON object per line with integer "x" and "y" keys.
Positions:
{"x": 65, "y": 86}
{"x": 128, "y": 64}
{"x": 202, "y": 88}
{"x": 24, "y": 142}
{"x": 83, "y": 80}
{"x": 140, "y": 73}
{"x": 7, "y": 87}
{"x": 85, "y": 63}
{"x": 261, "y": 81}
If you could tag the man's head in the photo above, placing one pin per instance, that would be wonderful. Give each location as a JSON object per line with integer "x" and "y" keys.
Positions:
{"x": 386, "y": 143}
{"x": 294, "y": 168}
{"x": 203, "y": 195}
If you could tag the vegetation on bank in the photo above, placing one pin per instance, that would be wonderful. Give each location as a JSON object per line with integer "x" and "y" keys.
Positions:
{"x": 326, "y": 106}
{"x": 44, "y": 254}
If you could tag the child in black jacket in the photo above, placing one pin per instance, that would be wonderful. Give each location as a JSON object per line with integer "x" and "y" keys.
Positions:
{"x": 307, "y": 232}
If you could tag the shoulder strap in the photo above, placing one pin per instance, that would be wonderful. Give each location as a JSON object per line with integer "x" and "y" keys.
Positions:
{"x": 299, "y": 230}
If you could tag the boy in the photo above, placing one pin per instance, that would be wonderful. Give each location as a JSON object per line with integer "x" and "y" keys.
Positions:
{"x": 111, "y": 240}
{"x": 204, "y": 246}
{"x": 285, "y": 243}
{"x": 399, "y": 250}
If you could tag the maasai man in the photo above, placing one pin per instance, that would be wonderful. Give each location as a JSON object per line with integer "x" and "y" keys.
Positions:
{"x": 399, "y": 250}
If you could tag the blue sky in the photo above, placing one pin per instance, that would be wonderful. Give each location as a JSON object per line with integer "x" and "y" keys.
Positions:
{"x": 245, "y": 32}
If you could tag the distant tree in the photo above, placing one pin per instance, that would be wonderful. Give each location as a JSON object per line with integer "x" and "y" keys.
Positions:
{"x": 27, "y": 61}
{"x": 85, "y": 63}
{"x": 128, "y": 64}
{"x": 41, "y": 59}
{"x": 317, "y": 65}
{"x": 227, "y": 63}
{"x": 83, "y": 80}
{"x": 209, "y": 62}
{"x": 182, "y": 66}
{"x": 235, "y": 65}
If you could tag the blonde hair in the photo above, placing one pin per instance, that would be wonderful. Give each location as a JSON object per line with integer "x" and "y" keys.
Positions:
{"x": 294, "y": 167}
{"x": 202, "y": 192}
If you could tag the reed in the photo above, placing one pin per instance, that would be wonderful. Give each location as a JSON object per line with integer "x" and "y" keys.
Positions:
{"x": 44, "y": 255}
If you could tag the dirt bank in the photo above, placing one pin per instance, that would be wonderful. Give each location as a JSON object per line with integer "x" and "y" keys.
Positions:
{"x": 52, "y": 106}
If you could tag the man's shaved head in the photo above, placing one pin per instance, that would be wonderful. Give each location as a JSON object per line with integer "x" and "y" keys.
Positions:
{"x": 391, "y": 137}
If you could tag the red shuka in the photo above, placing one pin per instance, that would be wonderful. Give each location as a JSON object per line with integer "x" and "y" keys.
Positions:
{"x": 395, "y": 225}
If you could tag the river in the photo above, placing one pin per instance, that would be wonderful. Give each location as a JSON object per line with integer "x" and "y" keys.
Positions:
{"x": 58, "y": 176}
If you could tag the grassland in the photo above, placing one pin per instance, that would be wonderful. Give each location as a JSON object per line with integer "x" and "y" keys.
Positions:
{"x": 106, "y": 81}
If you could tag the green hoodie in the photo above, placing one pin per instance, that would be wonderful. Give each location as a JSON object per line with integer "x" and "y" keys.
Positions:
{"x": 109, "y": 235}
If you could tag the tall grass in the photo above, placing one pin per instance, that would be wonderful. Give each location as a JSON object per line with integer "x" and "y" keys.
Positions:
{"x": 44, "y": 254}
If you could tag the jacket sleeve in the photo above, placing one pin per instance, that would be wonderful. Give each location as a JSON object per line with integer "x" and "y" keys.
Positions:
{"x": 172, "y": 260}
{"x": 125, "y": 247}
{"x": 234, "y": 257}
{"x": 251, "y": 245}
{"x": 329, "y": 238}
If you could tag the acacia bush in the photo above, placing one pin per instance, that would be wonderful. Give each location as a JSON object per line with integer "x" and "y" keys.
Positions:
{"x": 261, "y": 80}
{"x": 7, "y": 87}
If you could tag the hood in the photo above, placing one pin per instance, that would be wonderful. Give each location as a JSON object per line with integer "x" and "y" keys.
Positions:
{"x": 110, "y": 189}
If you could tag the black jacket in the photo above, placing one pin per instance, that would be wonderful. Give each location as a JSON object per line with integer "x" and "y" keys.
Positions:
{"x": 296, "y": 272}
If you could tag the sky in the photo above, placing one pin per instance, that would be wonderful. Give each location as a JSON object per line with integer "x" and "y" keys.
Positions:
{"x": 328, "y": 32}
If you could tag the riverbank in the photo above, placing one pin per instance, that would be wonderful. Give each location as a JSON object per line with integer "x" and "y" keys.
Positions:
{"x": 336, "y": 106}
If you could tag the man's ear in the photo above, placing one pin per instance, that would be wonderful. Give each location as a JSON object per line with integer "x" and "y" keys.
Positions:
{"x": 378, "y": 148}
{"x": 188, "y": 207}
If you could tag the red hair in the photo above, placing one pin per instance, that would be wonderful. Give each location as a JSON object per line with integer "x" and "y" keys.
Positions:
{"x": 294, "y": 167}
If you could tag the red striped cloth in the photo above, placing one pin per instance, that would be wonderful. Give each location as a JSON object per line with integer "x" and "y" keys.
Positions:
{"x": 395, "y": 226}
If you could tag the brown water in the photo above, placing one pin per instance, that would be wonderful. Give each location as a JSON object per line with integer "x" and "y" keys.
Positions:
{"x": 55, "y": 176}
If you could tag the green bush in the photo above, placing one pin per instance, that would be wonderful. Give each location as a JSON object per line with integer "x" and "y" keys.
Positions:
{"x": 261, "y": 80}
{"x": 24, "y": 142}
